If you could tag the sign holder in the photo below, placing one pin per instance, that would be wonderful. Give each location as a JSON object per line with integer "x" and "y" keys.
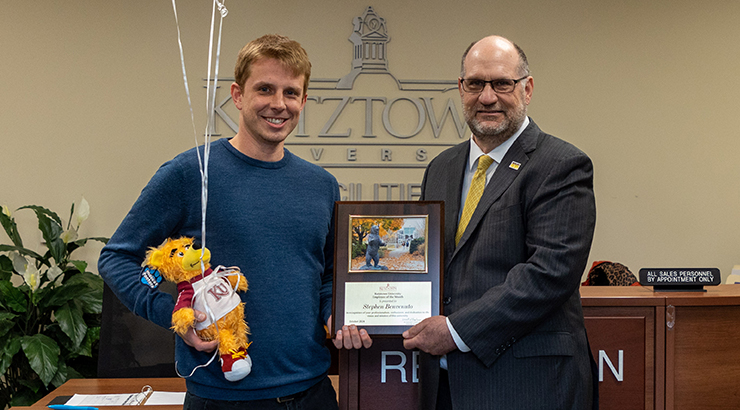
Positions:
{"x": 680, "y": 279}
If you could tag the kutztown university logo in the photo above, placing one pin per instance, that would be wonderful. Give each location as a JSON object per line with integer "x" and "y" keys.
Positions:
{"x": 219, "y": 290}
{"x": 387, "y": 288}
{"x": 369, "y": 126}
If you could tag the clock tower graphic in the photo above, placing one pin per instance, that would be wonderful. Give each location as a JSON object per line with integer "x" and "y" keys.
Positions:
{"x": 370, "y": 52}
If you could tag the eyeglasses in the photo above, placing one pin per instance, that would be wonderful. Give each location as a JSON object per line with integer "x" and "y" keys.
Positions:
{"x": 501, "y": 86}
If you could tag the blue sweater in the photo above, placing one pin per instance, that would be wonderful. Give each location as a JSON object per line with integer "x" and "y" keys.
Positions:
{"x": 274, "y": 220}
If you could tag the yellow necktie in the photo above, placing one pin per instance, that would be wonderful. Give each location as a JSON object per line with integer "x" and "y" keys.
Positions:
{"x": 477, "y": 185}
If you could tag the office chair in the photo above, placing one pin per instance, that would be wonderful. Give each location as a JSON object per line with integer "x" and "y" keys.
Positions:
{"x": 131, "y": 346}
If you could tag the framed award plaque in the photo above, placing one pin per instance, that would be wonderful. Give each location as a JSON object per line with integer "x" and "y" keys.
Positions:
{"x": 387, "y": 264}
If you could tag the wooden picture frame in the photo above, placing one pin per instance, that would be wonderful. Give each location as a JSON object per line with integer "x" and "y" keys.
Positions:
{"x": 387, "y": 264}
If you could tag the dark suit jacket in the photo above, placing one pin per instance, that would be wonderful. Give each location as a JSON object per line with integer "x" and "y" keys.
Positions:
{"x": 511, "y": 285}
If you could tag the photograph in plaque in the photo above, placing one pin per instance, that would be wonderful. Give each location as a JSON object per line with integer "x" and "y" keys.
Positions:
{"x": 388, "y": 243}
{"x": 387, "y": 264}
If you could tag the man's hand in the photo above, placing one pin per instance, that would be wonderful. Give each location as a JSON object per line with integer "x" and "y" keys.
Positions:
{"x": 193, "y": 340}
{"x": 349, "y": 337}
{"x": 430, "y": 335}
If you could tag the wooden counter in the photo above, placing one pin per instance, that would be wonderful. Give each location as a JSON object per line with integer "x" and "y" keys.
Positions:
{"x": 655, "y": 350}
{"x": 114, "y": 386}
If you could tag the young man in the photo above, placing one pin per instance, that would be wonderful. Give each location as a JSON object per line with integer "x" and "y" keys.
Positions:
{"x": 270, "y": 213}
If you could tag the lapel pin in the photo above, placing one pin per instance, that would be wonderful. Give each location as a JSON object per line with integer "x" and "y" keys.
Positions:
{"x": 515, "y": 165}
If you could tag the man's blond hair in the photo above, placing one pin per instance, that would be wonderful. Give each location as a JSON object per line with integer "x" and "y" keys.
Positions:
{"x": 288, "y": 52}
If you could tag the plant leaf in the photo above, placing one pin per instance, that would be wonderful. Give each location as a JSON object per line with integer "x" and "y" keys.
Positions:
{"x": 92, "y": 300}
{"x": 51, "y": 230}
{"x": 12, "y": 297}
{"x": 6, "y": 268}
{"x": 6, "y": 323}
{"x": 61, "y": 375}
{"x": 85, "y": 348}
{"x": 93, "y": 336}
{"x": 55, "y": 332}
{"x": 69, "y": 317}
{"x": 80, "y": 265}
{"x": 23, "y": 251}
{"x": 71, "y": 213}
{"x": 102, "y": 239}
{"x": 11, "y": 229}
{"x": 6, "y": 355}
{"x": 33, "y": 384}
{"x": 39, "y": 296}
{"x": 26, "y": 396}
{"x": 73, "y": 374}
{"x": 44, "y": 211}
{"x": 42, "y": 353}
{"x": 62, "y": 294}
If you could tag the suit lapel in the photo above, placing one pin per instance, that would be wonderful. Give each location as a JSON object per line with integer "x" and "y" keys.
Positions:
{"x": 456, "y": 167}
{"x": 513, "y": 163}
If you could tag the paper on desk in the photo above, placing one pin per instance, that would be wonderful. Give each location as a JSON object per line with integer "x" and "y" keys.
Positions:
{"x": 128, "y": 399}
{"x": 166, "y": 397}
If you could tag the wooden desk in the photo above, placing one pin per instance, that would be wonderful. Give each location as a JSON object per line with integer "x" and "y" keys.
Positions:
{"x": 691, "y": 354}
{"x": 702, "y": 349}
{"x": 626, "y": 324}
{"x": 113, "y": 386}
{"x": 655, "y": 351}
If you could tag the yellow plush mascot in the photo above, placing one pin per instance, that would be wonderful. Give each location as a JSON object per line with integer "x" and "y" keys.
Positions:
{"x": 210, "y": 291}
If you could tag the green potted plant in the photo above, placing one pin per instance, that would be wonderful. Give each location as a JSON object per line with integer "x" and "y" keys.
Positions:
{"x": 50, "y": 308}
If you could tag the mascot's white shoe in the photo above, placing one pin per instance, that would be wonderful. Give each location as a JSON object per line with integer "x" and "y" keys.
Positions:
{"x": 236, "y": 364}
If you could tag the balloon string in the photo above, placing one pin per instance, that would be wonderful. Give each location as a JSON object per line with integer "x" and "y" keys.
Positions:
{"x": 211, "y": 88}
{"x": 184, "y": 73}
{"x": 210, "y": 106}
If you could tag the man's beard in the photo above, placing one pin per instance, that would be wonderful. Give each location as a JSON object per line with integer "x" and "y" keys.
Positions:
{"x": 501, "y": 132}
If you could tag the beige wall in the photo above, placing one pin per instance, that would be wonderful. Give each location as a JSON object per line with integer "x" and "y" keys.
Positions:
{"x": 92, "y": 101}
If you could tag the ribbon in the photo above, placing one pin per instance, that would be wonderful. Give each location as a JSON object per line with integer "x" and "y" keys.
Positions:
{"x": 210, "y": 107}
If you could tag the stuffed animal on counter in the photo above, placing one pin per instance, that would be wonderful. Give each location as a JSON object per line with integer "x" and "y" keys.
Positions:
{"x": 212, "y": 291}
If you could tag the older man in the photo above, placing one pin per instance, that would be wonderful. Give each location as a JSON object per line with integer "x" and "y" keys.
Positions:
{"x": 520, "y": 216}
